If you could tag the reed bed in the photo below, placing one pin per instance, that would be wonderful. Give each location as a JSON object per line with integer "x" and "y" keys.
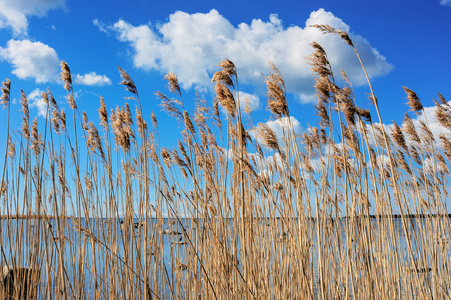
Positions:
{"x": 234, "y": 211}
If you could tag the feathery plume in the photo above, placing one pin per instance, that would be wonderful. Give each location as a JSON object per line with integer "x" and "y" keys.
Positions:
{"x": 268, "y": 137}
{"x": 189, "y": 125}
{"x": 6, "y": 90}
{"x": 71, "y": 101}
{"x": 94, "y": 142}
{"x": 398, "y": 137}
{"x": 228, "y": 66}
{"x": 344, "y": 35}
{"x": 103, "y": 115}
{"x": 413, "y": 152}
{"x": 442, "y": 99}
{"x": 63, "y": 120}
{"x": 364, "y": 114}
{"x": 443, "y": 114}
{"x": 446, "y": 146}
{"x": 324, "y": 28}
{"x": 409, "y": 128}
{"x": 319, "y": 62}
{"x": 225, "y": 98}
{"x": 55, "y": 121}
{"x": 427, "y": 136}
{"x": 128, "y": 119}
{"x": 66, "y": 76}
{"x": 277, "y": 102}
{"x": 401, "y": 160}
{"x": 414, "y": 102}
{"x": 11, "y": 148}
{"x": 36, "y": 138}
{"x": 154, "y": 120}
{"x": 25, "y": 115}
{"x": 142, "y": 124}
{"x": 166, "y": 156}
{"x": 170, "y": 105}
{"x": 128, "y": 82}
{"x": 45, "y": 98}
{"x": 321, "y": 112}
{"x": 184, "y": 154}
{"x": 173, "y": 84}
{"x": 24, "y": 103}
{"x": 329, "y": 29}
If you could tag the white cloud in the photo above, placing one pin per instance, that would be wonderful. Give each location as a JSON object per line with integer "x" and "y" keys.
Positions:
{"x": 100, "y": 25}
{"x": 191, "y": 45}
{"x": 92, "y": 79}
{"x": 428, "y": 118}
{"x": 252, "y": 101}
{"x": 434, "y": 126}
{"x": 36, "y": 101}
{"x": 31, "y": 60}
{"x": 445, "y": 2}
{"x": 278, "y": 126}
{"x": 14, "y": 13}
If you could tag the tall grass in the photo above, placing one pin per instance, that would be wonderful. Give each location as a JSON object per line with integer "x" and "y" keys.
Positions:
{"x": 236, "y": 211}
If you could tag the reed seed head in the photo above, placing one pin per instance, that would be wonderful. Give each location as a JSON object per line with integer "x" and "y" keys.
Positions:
{"x": 173, "y": 84}
{"x": 6, "y": 90}
{"x": 228, "y": 67}
{"x": 11, "y": 148}
{"x": 319, "y": 61}
{"x": 398, "y": 137}
{"x": 66, "y": 76}
{"x": 414, "y": 102}
{"x": 277, "y": 102}
{"x": 225, "y": 98}
{"x": 103, "y": 115}
{"x": 127, "y": 82}
{"x": 268, "y": 137}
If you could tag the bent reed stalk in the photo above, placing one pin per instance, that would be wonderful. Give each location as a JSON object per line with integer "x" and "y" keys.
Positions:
{"x": 235, "y": 211}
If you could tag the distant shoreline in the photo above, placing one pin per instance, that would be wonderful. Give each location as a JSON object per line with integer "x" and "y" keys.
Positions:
{"x": 399, "y": 216}
{"x": 394, "y": 216}
{"x": 30, "y": 217}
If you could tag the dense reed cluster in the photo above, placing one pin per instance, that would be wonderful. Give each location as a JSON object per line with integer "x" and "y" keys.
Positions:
{"x": 235, "y": 211}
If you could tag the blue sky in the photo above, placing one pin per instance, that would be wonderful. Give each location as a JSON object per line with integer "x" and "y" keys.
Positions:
{"x": 403, "y": 43}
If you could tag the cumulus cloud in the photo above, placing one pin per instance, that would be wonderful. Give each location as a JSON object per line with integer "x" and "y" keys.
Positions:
{"x": 92, "y": 79}
{"x": 31, "y": 60}
{"x": 278, "y": 126}
{"x": 252, "y": 101}
{"x": 191, "y": 45}
{"x": 429, "y": 118}
{"x": 445, "y": 2}
{"x": 36, "y": 101}
{"x": 15, "y": 13}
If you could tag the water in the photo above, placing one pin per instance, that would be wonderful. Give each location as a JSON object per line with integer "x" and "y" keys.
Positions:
{"x": 88, "y": 244}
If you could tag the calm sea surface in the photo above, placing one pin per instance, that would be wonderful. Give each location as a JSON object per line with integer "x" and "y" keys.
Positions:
{"x": 22, "y": 238}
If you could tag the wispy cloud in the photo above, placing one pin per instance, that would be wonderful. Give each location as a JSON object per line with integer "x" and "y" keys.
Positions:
{"x": 100, "y": 25}
{"x": 31, "y": 60}
{"x": 191, "y": 45}
{"x": 445, "y": 2}
{"x": 14, "y": 13}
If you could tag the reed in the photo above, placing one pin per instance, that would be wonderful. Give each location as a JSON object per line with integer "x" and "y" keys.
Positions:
{"x": 234, "y": 211}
